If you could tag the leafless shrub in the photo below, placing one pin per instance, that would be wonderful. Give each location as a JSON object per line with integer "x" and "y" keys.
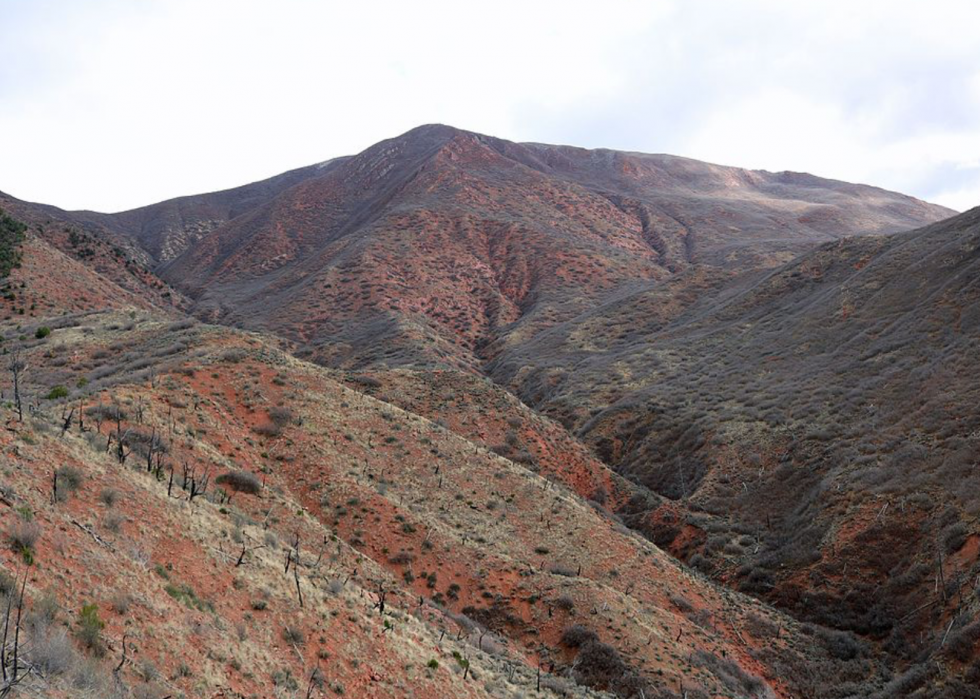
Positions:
{"x": 401, "y": 558}
{"x": 109, "y": 497}
{"x": 281, "y": 416}
{"x": 233, "y": 355}
{"x": 293, "y": 634}
{"x": 240, "y": 481}
{"x": 732, "y": 676}
{"x": 113, "y": 522}
{"x": 963, "y": 642}
{"x": 268, "y": 429}
{"x": 366, "y": 381}
{"x": 121, "y": 602}
{"x": 682, "y": 604}
{"x": 8, "y": 585}
{"x": 577, "y": 635}
{"x": 110, "y": 413}
{"x": 51, "y": 651}
{"x": 24, "y": 535}
{"x": 564, "y": 602}
{"x": 599, "y": 665}
{"x": 69, "y": 479}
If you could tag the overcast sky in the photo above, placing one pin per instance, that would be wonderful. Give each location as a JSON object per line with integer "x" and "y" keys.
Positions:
{"x": 112, "y": 104}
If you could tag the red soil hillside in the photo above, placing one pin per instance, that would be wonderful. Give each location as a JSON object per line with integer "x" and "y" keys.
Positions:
{"x": 96, "y": 250}
{"x": 480, "y": 560}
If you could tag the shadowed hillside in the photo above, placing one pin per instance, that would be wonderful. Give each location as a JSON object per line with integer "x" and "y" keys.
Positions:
{"x": 820, "y": 424}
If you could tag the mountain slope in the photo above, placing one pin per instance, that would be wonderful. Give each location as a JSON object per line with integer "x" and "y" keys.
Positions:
{"x": 87, "y": 255}
{"x": 446, "y": 246}
{"x": 168, "y": 228}
{"x": 827, "y": 412}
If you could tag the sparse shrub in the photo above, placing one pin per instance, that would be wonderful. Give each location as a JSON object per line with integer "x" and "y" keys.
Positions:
{"x": 955, "y": 536}
{"x": 732, "y": 675}
{"x": 89, "y": 628}
{"x": 113, "y": 522}
{"x": 281, "y": 416}
{"x": 964, "y": 640}
{"x": 185, "y": 594}
{"x": 109, "y": 497}
{"x": 51, "y": 651}
{"x": 44, "y": 611}
{"x": 294, "y": 635}
{"x": 57, "y": 393}
{"x": 147, "y": 671}
{"x": 23, "y": 537}
{"x": 121, "y": 602}
{"x": 69, "y": 480}
{"x": 564, "y": 602}
{"x": 233, "y": 355}
{"x": 8, "y": 586}
{"x": 42, "y": 332}
{"x": 284, "y": 678}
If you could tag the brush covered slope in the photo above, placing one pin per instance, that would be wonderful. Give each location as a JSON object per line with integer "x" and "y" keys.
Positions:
{"x": 819, "y": 426}
{"x": 196, "y": 511}
{"x": 71, "y": 256}
{"x": 442, "y": 246}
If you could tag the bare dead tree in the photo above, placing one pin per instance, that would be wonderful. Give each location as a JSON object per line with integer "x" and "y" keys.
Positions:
{"x": 99, "y": 414}
{"x": 67, "y": 420}
{"x": 299, "y": 592}
{"x": 315, "y": 679}
{"x": 20, "y": 611}
{"x": 380, "y": 604}
{"x": 121, "y": 438}
{"x": 155, "y": 447}
{"x": 199, "y": 486}
{"x": 122, "y": 660}
{"x": 17, "y": 366}
{"x": 3, "y": 643}
{"x": 241, "y": 557}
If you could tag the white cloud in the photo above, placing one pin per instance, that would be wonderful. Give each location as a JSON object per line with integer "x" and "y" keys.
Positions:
{"x": 110, "y": 104}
